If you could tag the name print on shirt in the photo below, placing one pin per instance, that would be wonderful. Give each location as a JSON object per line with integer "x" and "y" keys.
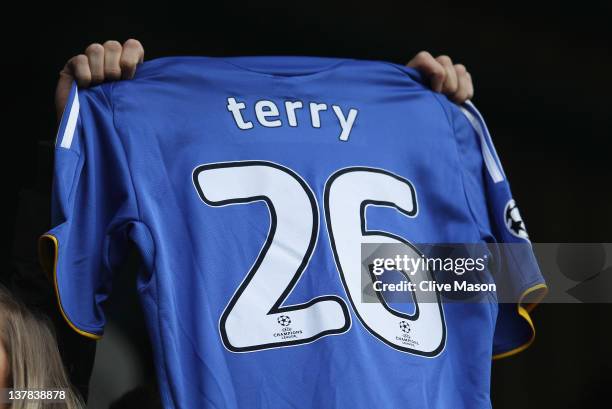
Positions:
{"x": 268, "y": 115}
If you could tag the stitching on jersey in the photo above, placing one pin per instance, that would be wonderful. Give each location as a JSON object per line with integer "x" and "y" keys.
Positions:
{"x": 451, "y": 124}
{"x": 127, "y": 163}
{"x": 153, "y": 264}
{"x": 481, "y": 232}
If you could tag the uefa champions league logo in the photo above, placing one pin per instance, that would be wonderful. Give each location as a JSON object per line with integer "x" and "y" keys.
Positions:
{"x": 286, "y": 332}
{"x": 514, "y": 221}
{"x": 404, "y": 327}
{"x": 284, "y": 320}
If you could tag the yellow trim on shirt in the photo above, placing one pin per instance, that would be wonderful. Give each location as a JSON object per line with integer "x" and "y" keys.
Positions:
{"x": 523, "y": 311}
{"x": 52, "y": 272}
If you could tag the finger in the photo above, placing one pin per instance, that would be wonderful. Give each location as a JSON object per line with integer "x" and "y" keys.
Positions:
{"x": 470, "y": 86}
{"x": 426, "y": 64}
{"x": 450, "y": 82}
{"x": 464, "y": 88}
{"x": 131, "y": 56}
{"x": 62, "y": 91}
{"x": 95, "y": 55}
{"x": 112, "y": 54}
{"x": 78, "y": 68}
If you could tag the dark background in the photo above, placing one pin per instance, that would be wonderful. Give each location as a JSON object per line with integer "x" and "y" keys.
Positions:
{"x": 543, "y": 82}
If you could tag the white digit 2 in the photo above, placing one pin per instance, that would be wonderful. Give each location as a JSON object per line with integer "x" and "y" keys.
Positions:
{"x": 251, "y": 319}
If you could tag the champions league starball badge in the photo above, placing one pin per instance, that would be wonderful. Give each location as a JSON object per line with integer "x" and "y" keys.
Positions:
{"x": 514, "y": 221}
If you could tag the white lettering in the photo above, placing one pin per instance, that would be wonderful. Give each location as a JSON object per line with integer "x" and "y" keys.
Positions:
{"x": 314, "y": 113}
{"x": 235, "y": 108}
{"x": 267, "y": 109}
{"x": 345, "y": 123}
{"x": 290, "y": 107}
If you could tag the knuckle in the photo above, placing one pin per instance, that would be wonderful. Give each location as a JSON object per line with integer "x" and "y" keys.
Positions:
{"x": 97, "y": 78}
{"x": 83, "y": 78}
{"x": 94, "y": 48}
{"x": 132, "y": 43}
{"x": 112, "y": 45}
{"x": 439, "y": 72}
{"x": 127, "y": 63}
{"x": 113, "y": 73}
{"x": 452, "y": 87}
{"x": 461, "y": 96}
{"x": 79, "y": 59}
{"x": 445, "y": 59}
{"x": 460, "y": 68}
{"x": 423, "y": 56}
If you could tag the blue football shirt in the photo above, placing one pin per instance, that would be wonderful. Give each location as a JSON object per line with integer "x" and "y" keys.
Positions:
{"x": 245, "y": 184}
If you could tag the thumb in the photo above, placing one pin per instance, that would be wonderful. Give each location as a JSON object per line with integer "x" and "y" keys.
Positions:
{"x": 62, "y": 91}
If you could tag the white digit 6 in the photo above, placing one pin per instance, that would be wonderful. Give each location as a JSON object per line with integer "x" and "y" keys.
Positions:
{"x": 348, "y": 193}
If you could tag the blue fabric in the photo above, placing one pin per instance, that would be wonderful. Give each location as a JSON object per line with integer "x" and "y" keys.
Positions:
{"x": 126, "y": 173}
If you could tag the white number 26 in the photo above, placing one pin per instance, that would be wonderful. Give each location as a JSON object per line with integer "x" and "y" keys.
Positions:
{"x": 256, "y": 318}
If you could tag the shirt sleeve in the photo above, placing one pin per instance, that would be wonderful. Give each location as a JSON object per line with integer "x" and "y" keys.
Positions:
{"x": 92, "y": 206}
{"x": 520, "y": 285}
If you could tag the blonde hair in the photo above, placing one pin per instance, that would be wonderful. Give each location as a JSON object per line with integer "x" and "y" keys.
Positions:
{"x": 33, "y": 357}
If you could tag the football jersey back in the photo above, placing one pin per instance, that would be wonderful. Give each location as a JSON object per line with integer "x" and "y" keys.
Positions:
{"x": 249, "y": 186}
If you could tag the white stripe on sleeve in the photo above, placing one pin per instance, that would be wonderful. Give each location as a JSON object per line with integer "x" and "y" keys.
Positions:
{"x": 489, "y": 157}
{"x": 73, "y": 116}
